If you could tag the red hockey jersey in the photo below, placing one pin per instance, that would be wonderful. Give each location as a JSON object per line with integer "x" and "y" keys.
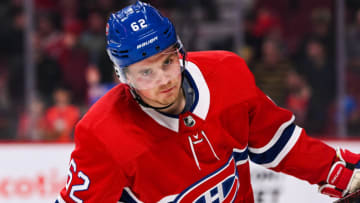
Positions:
{"x": 129, "y": 153}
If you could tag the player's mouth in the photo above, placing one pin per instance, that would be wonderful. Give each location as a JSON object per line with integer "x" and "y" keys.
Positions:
{"x": 167, "y": 90}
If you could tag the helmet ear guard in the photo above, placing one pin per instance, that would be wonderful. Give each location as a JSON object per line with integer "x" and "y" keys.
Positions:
{"x": 120, "y": 74}
{"x": 179, "y": 46}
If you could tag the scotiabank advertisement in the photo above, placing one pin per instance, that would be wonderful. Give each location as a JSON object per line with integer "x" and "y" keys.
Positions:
{"x": 35, "y": 173}
{"x": 32, "y": 173}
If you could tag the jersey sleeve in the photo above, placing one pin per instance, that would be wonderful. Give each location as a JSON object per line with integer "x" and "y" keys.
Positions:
{"x": 92, "y": 176}
{"x": 277, "y": 143}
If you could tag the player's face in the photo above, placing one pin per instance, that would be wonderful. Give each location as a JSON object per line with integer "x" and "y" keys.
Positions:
{"x": 157, "y": 79}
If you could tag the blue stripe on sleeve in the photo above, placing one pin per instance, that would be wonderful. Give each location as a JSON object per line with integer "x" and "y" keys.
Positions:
{"x": 269, "y": 155}
{"x": 241, "y": 156}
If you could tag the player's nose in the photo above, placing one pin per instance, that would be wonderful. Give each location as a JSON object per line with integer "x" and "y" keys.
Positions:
{"x": 164, "y": 77}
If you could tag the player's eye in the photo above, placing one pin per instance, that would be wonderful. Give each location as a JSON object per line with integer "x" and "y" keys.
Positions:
{"x": 168, "y": 61}
{"x": 146, "y": 72}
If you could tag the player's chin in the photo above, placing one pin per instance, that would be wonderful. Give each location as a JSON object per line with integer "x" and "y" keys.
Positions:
{"x": 167, "y": 100}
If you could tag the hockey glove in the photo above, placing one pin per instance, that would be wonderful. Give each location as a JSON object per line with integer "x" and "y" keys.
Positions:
{"x": 344, "y": 175}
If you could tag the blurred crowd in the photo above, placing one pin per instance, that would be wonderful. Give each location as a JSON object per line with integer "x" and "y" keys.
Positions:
{"x": 71, "y": 66}
{"x": 288, "y": 45}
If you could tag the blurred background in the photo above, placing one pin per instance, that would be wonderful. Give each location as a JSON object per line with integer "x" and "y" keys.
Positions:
{"x": 304, "y": 54}
{"x": 53, "y": 66}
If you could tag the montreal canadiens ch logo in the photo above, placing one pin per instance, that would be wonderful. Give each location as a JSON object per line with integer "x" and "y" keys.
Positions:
{"x": 220, "y": 186}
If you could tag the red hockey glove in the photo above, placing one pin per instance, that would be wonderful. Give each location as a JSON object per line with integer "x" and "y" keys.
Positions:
{"x": 344, "y": 175}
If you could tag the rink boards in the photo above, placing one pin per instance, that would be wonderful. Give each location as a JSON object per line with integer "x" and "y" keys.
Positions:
{"x": 35, "y": 172}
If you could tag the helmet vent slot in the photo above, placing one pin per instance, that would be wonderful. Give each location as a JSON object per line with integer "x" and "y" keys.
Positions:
{"x": 121, "y": 51}
{"x": 120, "y": 55}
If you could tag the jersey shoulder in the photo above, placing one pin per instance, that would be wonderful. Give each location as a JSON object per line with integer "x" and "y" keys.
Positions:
{"x": 109, "y": 105}
{"x": 222, "y": 64}
{"x": 225, "y": 71}
{"x": 212, "y": 56}
{"x": 108, "y": 124}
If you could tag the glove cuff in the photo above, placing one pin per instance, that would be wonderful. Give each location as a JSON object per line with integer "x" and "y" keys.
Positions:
{"x": 339, "y": 175}
{"x": 330, "y": 190}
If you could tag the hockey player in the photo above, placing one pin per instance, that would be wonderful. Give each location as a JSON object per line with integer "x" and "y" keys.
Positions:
{"x": 182, "y": 127}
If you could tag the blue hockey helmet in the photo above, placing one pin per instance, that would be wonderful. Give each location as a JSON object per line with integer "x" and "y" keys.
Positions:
{"x": 137, "y": 32}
